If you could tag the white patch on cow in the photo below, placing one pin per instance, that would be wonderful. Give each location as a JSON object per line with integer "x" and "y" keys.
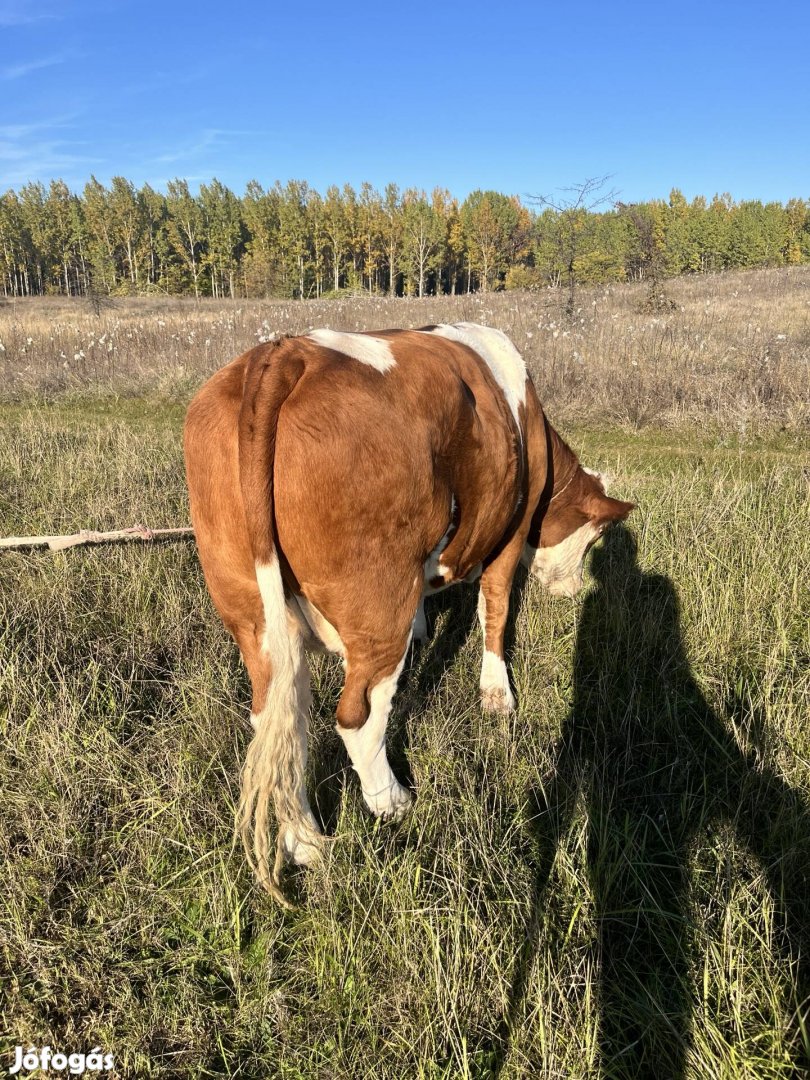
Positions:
{"x": 433, "y": 564}
{"x": 321, "y": 627}
{"x": 376, "y": 352}
{"x": 382, "y": 792}
{"x": 559, "y": 568}
{"x": 298, "y": 849}
{"x": 496, "y": 693}
{"x": 498, "y": 353}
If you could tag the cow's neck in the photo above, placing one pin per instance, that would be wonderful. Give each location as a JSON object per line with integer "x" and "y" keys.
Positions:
{"x": 563, "y": 462}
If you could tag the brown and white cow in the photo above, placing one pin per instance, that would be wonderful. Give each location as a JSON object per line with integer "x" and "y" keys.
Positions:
{"x": 337, "y": 478}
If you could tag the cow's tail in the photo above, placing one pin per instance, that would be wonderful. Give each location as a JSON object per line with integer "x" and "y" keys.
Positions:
{"x": 276, "y": 758}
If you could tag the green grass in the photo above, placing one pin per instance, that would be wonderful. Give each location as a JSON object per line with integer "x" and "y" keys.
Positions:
{"x": 613, "y": 882}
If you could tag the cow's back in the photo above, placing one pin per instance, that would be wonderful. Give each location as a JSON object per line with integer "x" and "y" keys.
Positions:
{"x": 371, "y": 466}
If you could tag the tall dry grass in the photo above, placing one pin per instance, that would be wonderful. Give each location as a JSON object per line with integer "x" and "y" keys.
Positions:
{"x": 735, "y": 348}
{"x": 613, "y": 883}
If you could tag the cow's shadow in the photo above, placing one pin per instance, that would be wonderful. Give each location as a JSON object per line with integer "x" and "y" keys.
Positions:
{"x": 657, "y": 770}
{"x": 452, "y": 616}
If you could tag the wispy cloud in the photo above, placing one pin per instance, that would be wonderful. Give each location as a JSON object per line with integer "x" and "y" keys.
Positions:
{"x": 159, "y": 79}
{"x": 17, "y": 15}
{"x": 208, "y": 139}
{"x": 42, "y": 151}
{"x": 59, "y": 122}
{"x": 19, "y": 71}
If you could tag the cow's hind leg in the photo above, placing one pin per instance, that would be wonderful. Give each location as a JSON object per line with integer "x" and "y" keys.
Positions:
{"x": 363, "y": 712}
{"x": 374, "y": 662}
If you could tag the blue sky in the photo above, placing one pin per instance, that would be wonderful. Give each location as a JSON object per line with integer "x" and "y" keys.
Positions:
{"x": 525, "y": 98}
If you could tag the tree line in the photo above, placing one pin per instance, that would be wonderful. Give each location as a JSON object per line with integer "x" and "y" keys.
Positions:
{"x": 291, "y": 241}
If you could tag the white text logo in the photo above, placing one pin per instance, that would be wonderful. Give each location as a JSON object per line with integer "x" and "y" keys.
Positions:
{"x": 46, "y": 1059}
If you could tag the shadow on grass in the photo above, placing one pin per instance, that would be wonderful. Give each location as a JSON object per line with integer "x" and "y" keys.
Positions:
{"x": 657, "y": 768}
{"x": 451, "y": 615}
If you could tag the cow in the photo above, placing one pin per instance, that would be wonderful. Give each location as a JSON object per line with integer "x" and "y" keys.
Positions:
{"x": 335, "y": 480}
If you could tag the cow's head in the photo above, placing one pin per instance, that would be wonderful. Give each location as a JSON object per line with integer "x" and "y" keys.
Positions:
{"x": 567, "y": 523}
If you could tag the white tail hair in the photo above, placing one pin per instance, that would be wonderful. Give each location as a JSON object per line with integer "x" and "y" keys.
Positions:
{"x": 275, "y": 765}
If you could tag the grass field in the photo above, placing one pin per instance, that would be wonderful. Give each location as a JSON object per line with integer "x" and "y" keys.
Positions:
{"x": 615, "y": 882}
{"x": 733, "y": 350}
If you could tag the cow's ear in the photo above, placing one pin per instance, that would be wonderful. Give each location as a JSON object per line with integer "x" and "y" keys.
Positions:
{"x": 604, "y": 510}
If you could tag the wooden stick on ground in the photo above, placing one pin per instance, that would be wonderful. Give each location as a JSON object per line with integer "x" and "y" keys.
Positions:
{"x": 87, "y": 536}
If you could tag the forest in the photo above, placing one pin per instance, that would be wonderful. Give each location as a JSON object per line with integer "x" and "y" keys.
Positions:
{"x": 290, "y": 241}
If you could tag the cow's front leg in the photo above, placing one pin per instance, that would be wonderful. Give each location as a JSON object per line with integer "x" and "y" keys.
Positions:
{"x": 420, "y": 630}
{"x": 493, "y": 611}
{"x": 496, "y": 693}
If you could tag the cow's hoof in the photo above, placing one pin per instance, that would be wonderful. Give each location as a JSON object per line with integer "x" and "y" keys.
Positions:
{"x": 497, "y": 699}
{"x": 303, "y": 851}
{"x": 390, "y": 805}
